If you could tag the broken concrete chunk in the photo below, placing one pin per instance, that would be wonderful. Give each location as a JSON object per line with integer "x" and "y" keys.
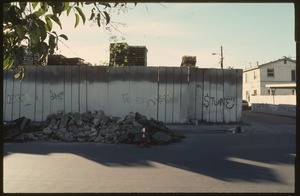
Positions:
{"x": 47, "y": 130}
{"x": 122, "y": 138}
{"x": 161, "y": 137}
{"x": 64, "y": 121}
{"x": 64, "y": 135}
{"x": 109, "y": 136}
{"x": 141, "y": 119}
{"x": 129, "y": 118}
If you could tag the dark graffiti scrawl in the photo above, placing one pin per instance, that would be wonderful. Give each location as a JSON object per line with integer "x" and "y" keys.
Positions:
{"x": 17, "y": 98}
{"x": 229, "y": 103}
{"x": 57, "y": 96}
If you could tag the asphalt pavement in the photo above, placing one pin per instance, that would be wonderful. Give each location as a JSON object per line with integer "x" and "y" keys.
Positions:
{"x": 208, "y": 160}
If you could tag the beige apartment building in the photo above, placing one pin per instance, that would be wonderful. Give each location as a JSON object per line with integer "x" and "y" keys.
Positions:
{"x": 274, "y": 79}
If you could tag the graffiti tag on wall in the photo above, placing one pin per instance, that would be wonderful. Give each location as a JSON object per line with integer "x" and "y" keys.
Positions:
{"x": 284, "y": 108}
{"x": 140, "y": 100}
{"x": 57, "y": 96}
{"x": 228, "y": 103}
{"x": 17, "y": 98}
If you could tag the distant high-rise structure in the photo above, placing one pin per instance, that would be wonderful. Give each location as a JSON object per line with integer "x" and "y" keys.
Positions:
{"x": 188, "y": 61}
{"x": 123, "y": 54}
{"x": 137, "y": 56}
{"x": 29, "y": 58}
{"x": 59, "y": 59}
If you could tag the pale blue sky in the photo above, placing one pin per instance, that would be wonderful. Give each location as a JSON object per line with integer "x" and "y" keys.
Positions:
{"x": 247, "y": 32}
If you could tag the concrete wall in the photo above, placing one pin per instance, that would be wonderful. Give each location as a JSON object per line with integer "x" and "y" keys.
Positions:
{"x": 281, "y": 109}
{"x": 276, "y": 99}
{"x": 169, "y": 94}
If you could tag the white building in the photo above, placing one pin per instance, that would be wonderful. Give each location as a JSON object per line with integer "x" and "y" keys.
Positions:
{"x": 276, "y": 78}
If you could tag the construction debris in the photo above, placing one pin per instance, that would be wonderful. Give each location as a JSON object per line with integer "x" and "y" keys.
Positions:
{"x": 97, "y": 127}
{"x": 14, "y": 129}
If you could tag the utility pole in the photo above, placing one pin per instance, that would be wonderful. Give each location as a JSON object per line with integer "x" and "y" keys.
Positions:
{"x": 222, "y": 57}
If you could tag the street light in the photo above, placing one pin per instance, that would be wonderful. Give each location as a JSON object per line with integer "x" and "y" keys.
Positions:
{"x": 221, "y": 56}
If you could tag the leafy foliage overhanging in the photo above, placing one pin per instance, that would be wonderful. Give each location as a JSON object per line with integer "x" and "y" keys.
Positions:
{"x": 31, "y": 23}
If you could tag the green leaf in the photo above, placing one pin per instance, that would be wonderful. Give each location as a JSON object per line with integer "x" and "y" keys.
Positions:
{"x": 43, "y": 34}
{"x": 42, "y": 50}
{"x": 34, "y": 37}
{"x": 68, "y": 11}
{"x": 20, "y": 31}
{"x": 52, "y": 44}
{"x": 56, "y": 19}
{"x": 105, "y": 4}
{"x": 17, "y": 75}
{"x": 23, "y": 5}
{"x": 22, "y": 73}
{"x": 39, "y": 13}
{"x": 48, "y": 24}
{"x": 81, "y": 14}
{"x": 34, "y": 4}
{"x": 8, "y": 62}
{"x": 98, "y": 19}
{"x": 66, "y": 6}
{"x": 76, "y": 19}
{"x": 92, "y": 16}
{"x": 63, "y": 36}
{"x": 40, "y": 26}
{"x": 107, "y": 17}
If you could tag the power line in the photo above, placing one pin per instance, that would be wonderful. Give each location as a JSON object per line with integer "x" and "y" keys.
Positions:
{"x": 68, "y": 47}
{"x": 235, "y": 58}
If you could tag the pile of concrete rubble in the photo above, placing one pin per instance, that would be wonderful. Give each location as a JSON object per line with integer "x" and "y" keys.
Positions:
{"x": 97, "y": 127}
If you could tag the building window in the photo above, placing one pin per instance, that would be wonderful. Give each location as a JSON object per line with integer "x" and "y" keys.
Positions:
{"x": 255, "y": 92}
{"x": 293, "y": 72}
{"x": 269, "y": 91}
{"x": 245, "y": 78}
{"x": 284, "y": 61}
{"x": 293, "y": 92}
{"x": 254, "y": 75}
{"x": 270, "y": 72}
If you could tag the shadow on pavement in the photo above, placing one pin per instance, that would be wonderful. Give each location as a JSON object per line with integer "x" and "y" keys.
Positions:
{"x": 199, "y": 153}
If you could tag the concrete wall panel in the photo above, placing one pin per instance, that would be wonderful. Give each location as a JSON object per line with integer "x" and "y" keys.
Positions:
{"x": 97, "y": 88}
{"x": 150, "y": 92}
{"x": 57, "y": 94}
{"x": 135, "y": 97}
{"x": 16, "y": 98}
{"x": 169, "y": 95}
{"x": 83, "y": 89}
{"x": 39, "y": 94}
{"x": 206, "y": 101}
{"x": 118, "y": 91}
{"x": 184, "y": 95}
{"x": 28, "y": 93}
{"x": 8, "y": 96}
{"x": 199, "y": 88}
{"x": 213, "y": 96}
{"x": 68, "y": 88}
{"x": 220, "y": 96}
{"x": 192, "y": 93}
{"x": 162, "y": 91}
{"x": 229, "y": 99}
{"x": 75, "y": 91}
